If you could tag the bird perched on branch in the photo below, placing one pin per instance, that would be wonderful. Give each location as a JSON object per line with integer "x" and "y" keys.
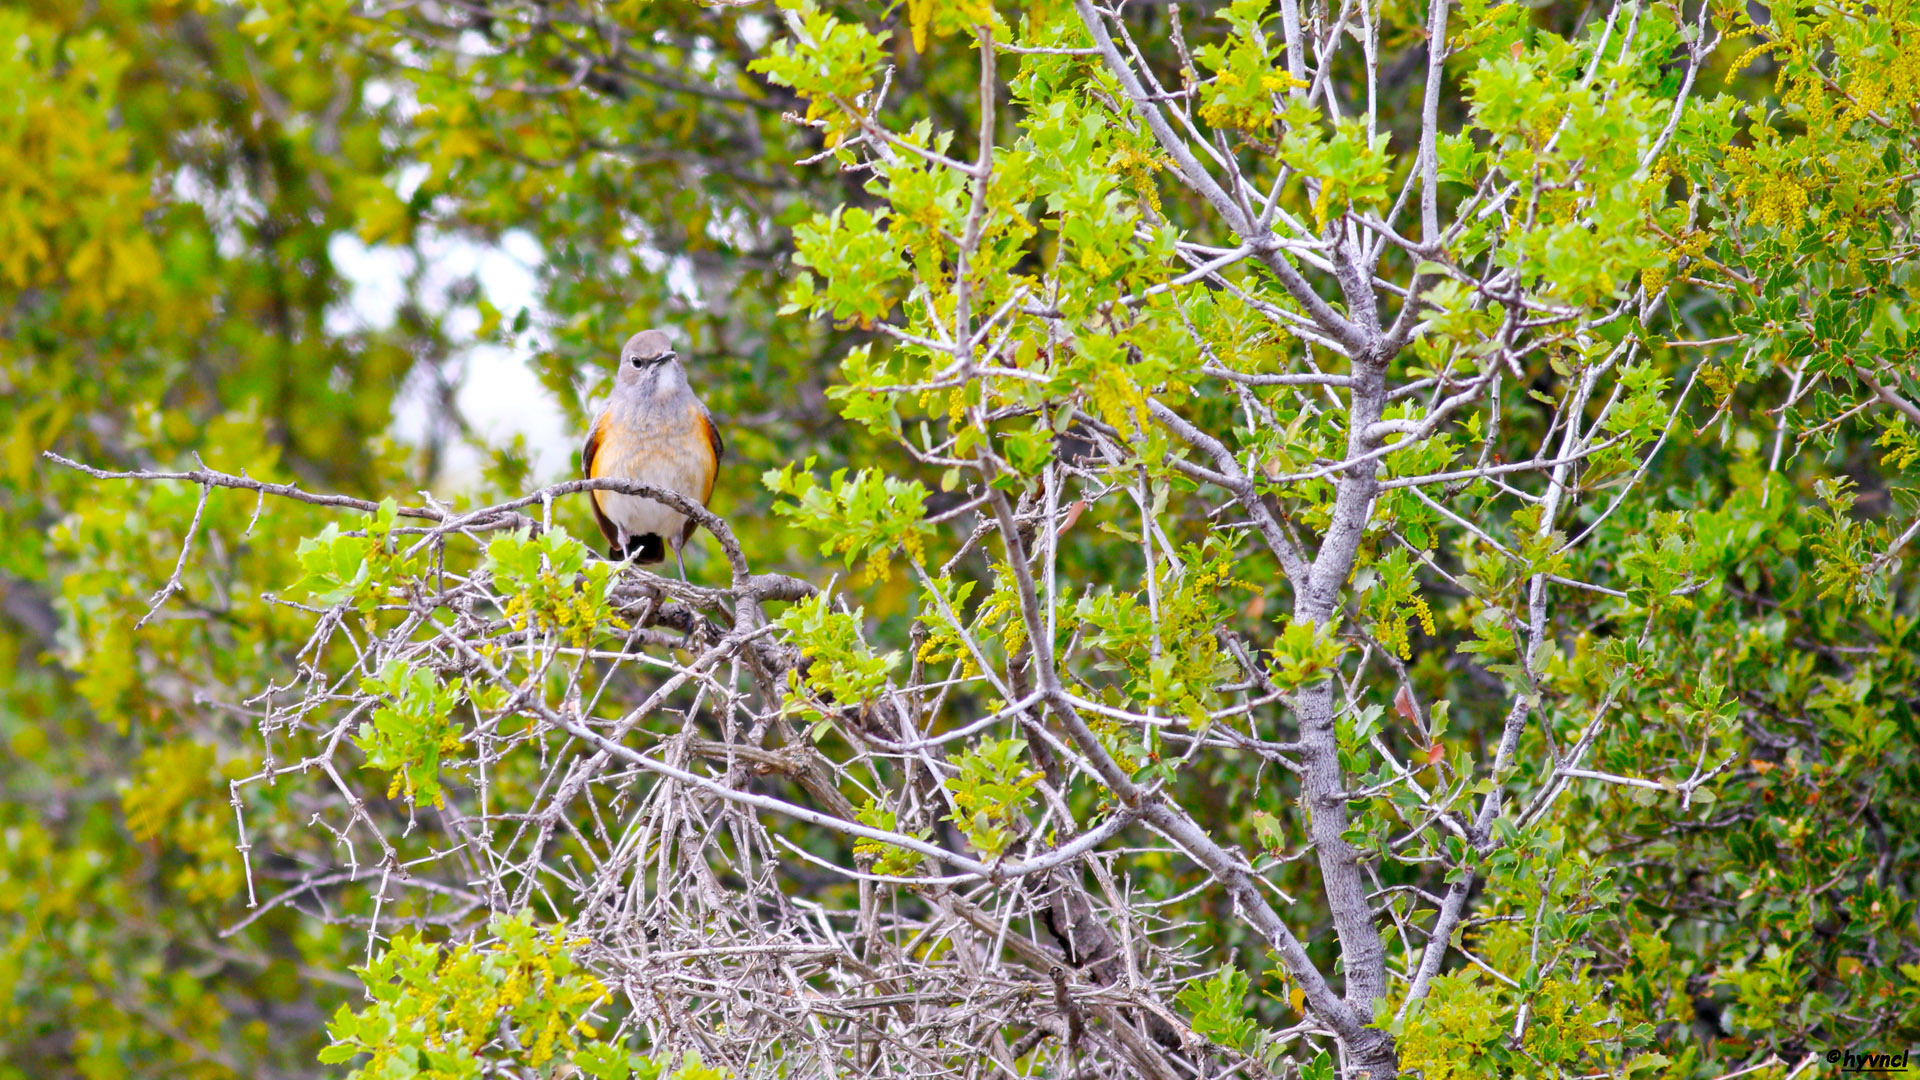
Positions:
{"x": 655, "y": 431}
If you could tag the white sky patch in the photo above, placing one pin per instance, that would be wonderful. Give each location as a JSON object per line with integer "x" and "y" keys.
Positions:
{"x": 378, "y": 276}
{"x": 375, "y": 93}
{"x": 493, "y": 386}
{"x": 756, "y": 31}
{"x": 227, "y": 208}
{"x": 495, "y": 389}
{"x": 502, "y": 397}
{"x": 678, "y": 269}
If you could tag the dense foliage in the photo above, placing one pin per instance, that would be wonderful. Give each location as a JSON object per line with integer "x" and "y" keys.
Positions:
{"x": 1250, "y": 543}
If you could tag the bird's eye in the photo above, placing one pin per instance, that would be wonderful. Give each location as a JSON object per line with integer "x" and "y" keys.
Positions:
{"x": 637, "y": 363}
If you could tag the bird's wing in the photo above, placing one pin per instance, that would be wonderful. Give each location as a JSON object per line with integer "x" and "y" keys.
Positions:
{"x": 589, "y": 455}
{"x": 592, "y": 447}
{"x": 718, "y": 446}
{"x": 713, "y": 436}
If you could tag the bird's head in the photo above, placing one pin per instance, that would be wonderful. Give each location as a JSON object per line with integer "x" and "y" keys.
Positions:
{"x": 648, "y": 363}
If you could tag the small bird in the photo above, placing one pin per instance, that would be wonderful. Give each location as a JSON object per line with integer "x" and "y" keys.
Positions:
{"x": 655, "y": 431}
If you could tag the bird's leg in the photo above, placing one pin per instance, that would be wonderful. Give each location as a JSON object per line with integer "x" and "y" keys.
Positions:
{"x": 678, "y": 561}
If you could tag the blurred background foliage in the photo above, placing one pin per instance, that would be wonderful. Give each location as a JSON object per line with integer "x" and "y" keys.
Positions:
{"x": 179, "y": 181}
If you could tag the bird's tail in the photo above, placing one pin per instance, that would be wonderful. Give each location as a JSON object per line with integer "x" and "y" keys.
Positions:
{"x": 646, "y": 548}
